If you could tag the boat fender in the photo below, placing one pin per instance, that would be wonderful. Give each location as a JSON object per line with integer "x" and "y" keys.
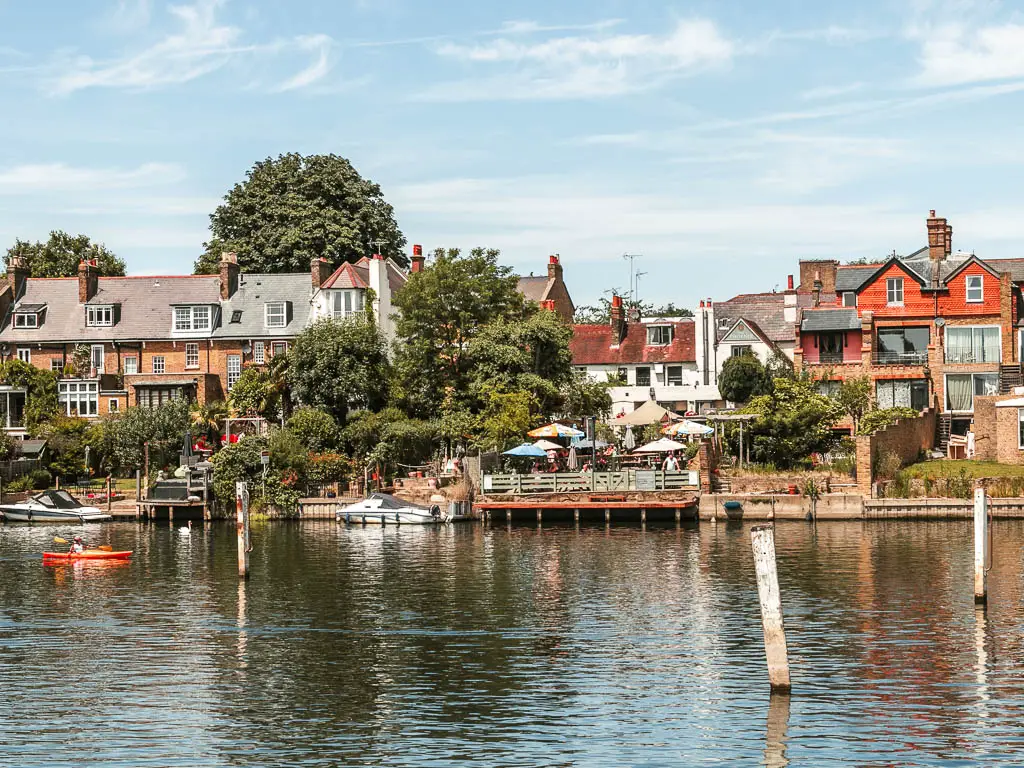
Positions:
{"x": 348, "y": 518}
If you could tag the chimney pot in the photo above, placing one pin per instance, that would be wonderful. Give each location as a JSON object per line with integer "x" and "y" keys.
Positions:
{"x": 554, "y": 267}
{"x": 789, "y": 282}
{"x": 88, "y": 281}
{"x": 417, "y": 250}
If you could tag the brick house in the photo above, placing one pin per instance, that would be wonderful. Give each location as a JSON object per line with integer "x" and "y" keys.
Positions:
{"x": 933, "y": 327}
{"x": 152, "y": 339}
{"x": 653, "y": 359}
{"x": 549, "y": 290}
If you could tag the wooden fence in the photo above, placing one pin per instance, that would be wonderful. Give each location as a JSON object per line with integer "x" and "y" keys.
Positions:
{"x": 603, "y": 482}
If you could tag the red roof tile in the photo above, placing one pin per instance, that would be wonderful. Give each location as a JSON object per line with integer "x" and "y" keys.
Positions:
{"x": 345, "y": 276}
{"x": 592, "y": 345}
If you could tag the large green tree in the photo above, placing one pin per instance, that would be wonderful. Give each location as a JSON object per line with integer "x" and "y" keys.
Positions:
{"x": 292, "y": 208}
{"x": 61, "y": 254}
{"x": 125, "y": 434}
{"x": 793, "y": 422}
{"x": 742, "y": 377}
{"x": 340, "y": 365}
{"x": 441, "y": 310}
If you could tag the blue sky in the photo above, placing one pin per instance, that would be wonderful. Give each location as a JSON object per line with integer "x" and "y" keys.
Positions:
{"x": 721, "y": 140}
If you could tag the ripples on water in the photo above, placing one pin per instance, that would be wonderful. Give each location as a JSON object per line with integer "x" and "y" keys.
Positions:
{"x": 509, "y": 648}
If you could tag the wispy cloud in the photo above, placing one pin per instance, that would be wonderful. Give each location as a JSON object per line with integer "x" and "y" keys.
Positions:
{"x": 583, "y": 66}
{"x": 58, "y": 177}
{"x": 199, "y": 46}
{"x": 831, "y": 91}
{"x": 129, "y": 16}
{"x": 957, "y": 54}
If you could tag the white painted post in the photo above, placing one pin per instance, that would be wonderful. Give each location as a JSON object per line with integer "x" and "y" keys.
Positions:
{"x": 242, "y": 526}
{"x": 980, "y": 545}
{"x": 762, "y": 539}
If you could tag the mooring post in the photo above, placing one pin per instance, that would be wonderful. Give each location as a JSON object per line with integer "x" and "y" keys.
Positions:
{"x": 677, "y": 515}
{"x": 109, "y": 501}
{"x": 607, "y": 516}
{"x": 980, "y": 545}
{"x": 242, "y": 526}
{"x": 643, "y": 515}
{"x": 576, "y": 515}
{"x": 138, "y": 492}
{"x": 540, "y": 516}
{"x": 762, "y": 539}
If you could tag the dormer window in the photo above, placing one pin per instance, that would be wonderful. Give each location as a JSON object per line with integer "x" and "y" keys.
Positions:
{"x": 346, "y": 303}
{"x": 975, "y": 289}
{"x": 188, "y": 319}
{"x": 276, "y": 314}
{"x": 659, "y": 335}
{"x": 26, "y": 320}
{"x": 100, "y": 316}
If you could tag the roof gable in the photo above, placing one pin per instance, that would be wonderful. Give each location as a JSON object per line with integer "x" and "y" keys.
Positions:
{"x": 972, "y": 259}
{"x": 895, "y": 261}
{"x": 740, "y": 331}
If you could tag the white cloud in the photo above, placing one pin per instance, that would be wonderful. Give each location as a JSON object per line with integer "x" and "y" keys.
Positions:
{"x": 956, "y": 53}
{"x": 831, "y": 91}
{"x": 316, "y": 71}
{"x": 584, "y": 66}
{"x": 198, "y": 47}
{"x": 58, "y": 177}
{"x": 129, "y": 16}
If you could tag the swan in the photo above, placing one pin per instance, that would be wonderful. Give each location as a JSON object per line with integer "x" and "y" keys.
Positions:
{"x": 185, "y": 530}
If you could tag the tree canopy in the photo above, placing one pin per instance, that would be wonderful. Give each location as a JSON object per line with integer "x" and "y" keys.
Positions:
{"x": 742, "y": 377}
{"x": 794, "y": 422}
{"x": 61, "y": 254}
{"x": 293, "y": 208}
{"x": 600, "y": 313}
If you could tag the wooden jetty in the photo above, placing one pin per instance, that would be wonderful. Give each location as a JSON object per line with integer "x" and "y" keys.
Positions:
{"x": 589, "y": 509}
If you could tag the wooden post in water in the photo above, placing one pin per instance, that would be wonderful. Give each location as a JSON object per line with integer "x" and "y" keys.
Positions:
{"x": 762, "y": 539}
{"x": 138, "y": 493}
{"x": 109, "y": 493}
{"x": 242, "y": 524}
{"x": 980, "y": 545}
{"x": 576, "y": 515}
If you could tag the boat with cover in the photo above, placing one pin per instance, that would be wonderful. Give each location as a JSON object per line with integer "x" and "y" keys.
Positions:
{"x": 52, "y": 507}
{"x": 384, "y": 509}
{"x": 89, "y": 554}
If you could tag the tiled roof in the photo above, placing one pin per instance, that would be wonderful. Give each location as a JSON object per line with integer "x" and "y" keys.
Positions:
{"x": 345, "y": 276}
{"x": 254, "y": 291}
{"x": 145, "y": 307}
{"x": 1014, "y": 266}
{"x": 592, "y": 345}
{"x": 535, "y": 288}
{"x": 851, "y": 278}
{"x": 766, "y": 310}
{"x": 396, "y": 277}
{"x": 830, "y": 320}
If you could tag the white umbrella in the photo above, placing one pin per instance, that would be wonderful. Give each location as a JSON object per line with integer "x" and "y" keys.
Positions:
{"x": 547, "y": 445}
{"x": 664, "y": 445}
{"x": 573, "y": 461}
{"x": 687, "y": 427}
{"x": 629, "y": 441}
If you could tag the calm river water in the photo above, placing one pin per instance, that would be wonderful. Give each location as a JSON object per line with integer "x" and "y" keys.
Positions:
{"x": 524, "y": 648}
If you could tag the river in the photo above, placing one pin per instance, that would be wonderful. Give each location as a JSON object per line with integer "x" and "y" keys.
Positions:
{"x": 412, "y": 647}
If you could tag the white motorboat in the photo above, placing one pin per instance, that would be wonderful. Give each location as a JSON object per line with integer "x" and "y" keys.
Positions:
{"x": 52, "y": 507}
{"x": 384, "y": 509}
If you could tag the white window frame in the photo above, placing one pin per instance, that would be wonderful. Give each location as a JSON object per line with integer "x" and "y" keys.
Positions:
{"x": 973, "y": 328}
{"x": 267, "y": 314}
{"x": 99, "y": 316}
{"x": 21, "y": 319}
{"x": 97, "y": 356}
{"x": 234, "y": 370}
{"x": 77, "y": 392}
{"x": 159, "y": 361}
{"x": 192, "y": 354}
{"x": 135, "y": 365}
{"x": 850, "y": 295}
{"x": 113, "y": 406}
{"x": 980, "y": 288}
{"x": 259, "y": 352}
{"x": 196, "y": 318}
{"x": 894, "y": 286}
{"x": 56, "y": 365}
{"x": 25, "y": 354}
{"x": 658, "y": 330}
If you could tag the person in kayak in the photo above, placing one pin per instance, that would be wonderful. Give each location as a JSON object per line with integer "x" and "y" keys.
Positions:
{"x": 77, "y": 546}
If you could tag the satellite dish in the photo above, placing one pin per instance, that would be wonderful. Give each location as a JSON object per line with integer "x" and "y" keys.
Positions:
{"x": 939, "y": 322}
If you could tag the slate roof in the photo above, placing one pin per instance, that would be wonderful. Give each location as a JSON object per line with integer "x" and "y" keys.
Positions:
{"x": 536, "y": 288}
{"x": 766, "y": 310}
{"x": 145, "y": 307}
{"x": 1014, "y": 266}
{"x": 830, "y": 320}
{"x": 256, "y": 290}
{"x": 592, "y": 345}
{"x": 853, "y": 277}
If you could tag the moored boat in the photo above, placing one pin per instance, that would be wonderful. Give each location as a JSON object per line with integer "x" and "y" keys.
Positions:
{"x": 52, "y": 507}
{"x": 89, "y": 554}
{"x": 384, "y": 509}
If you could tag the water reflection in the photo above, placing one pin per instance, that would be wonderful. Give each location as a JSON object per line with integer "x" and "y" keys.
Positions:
{"x": 565, "y": 646}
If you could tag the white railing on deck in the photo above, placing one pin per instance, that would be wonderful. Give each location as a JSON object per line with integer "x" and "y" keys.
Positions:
{"x": 599, "y": 482}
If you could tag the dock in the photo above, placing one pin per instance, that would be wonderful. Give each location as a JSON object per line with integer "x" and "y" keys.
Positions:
{"x": 587, "y": 510}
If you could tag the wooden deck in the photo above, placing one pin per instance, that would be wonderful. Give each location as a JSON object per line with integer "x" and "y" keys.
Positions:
{"x": 586, "y": 510}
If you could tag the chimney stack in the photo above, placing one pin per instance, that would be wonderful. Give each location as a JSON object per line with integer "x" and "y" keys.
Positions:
{"x": 418, "y": 259}
{"x": 228, "y": 274}
{"x": 618, "y": 320}
{"x": 817, "y": 289}
{"x": 88, "y": 280}
{"x": 789, "y": 282}
{"x": 17, "y": 273}
{"x": 319, "y": 271}
{"x": 554, "y": 267}
{"x": 940, "y": 237}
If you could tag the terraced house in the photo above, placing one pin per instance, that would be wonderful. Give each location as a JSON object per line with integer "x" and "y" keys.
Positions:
{"x": 152, "y": 339}
{"x": 933, "y": 328}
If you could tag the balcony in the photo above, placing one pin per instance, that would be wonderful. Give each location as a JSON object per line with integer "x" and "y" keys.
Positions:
{"x": 884, "y": 357}
{"x": 830, "y": 358}
{"x": 972, "y": 356}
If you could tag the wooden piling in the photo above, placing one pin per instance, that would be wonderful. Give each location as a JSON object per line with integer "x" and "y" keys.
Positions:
{"x": 607, "y": 516}
{"x": 110, "y": 502}
{"x": 762, "y": 539}
{"x": 242, "y": 527}
{"x": 138, "y": 492}
{"x": 775, "y": 735}
{"x": 981, "y": 552}
{"x": 677, "y": 516}
{"x": 576, "y": 515}
{"x": 540, "y": 516}
{"x": 643, "y": 515}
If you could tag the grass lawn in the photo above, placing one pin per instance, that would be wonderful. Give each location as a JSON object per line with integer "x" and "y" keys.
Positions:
{"x": 950, "y": 468}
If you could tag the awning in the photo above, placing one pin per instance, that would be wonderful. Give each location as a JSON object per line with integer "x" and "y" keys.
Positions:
{"x": 165, "y": 383}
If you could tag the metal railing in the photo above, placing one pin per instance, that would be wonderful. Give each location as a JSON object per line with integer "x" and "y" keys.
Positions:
{"x": 971, "y": 356}
{"x": 900, "y": 358}
{"x": 831, "y": 358}
{"x": 604, "y": 482}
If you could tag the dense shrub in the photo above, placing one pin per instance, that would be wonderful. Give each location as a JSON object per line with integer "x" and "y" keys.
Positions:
{"x": 873, "y": 421}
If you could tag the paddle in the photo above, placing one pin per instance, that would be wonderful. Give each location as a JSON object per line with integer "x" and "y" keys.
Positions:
{"x": 102, "y": 547}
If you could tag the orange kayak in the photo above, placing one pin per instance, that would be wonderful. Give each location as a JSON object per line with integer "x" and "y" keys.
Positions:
{"x": 89, "y": 554}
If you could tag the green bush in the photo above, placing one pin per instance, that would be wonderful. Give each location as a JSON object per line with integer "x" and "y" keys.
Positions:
{"x": 317, "y": 429}
{"x": 40, "y": 479}
{"x": 880, "y": 419}
{"x": 19, "y": 484}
